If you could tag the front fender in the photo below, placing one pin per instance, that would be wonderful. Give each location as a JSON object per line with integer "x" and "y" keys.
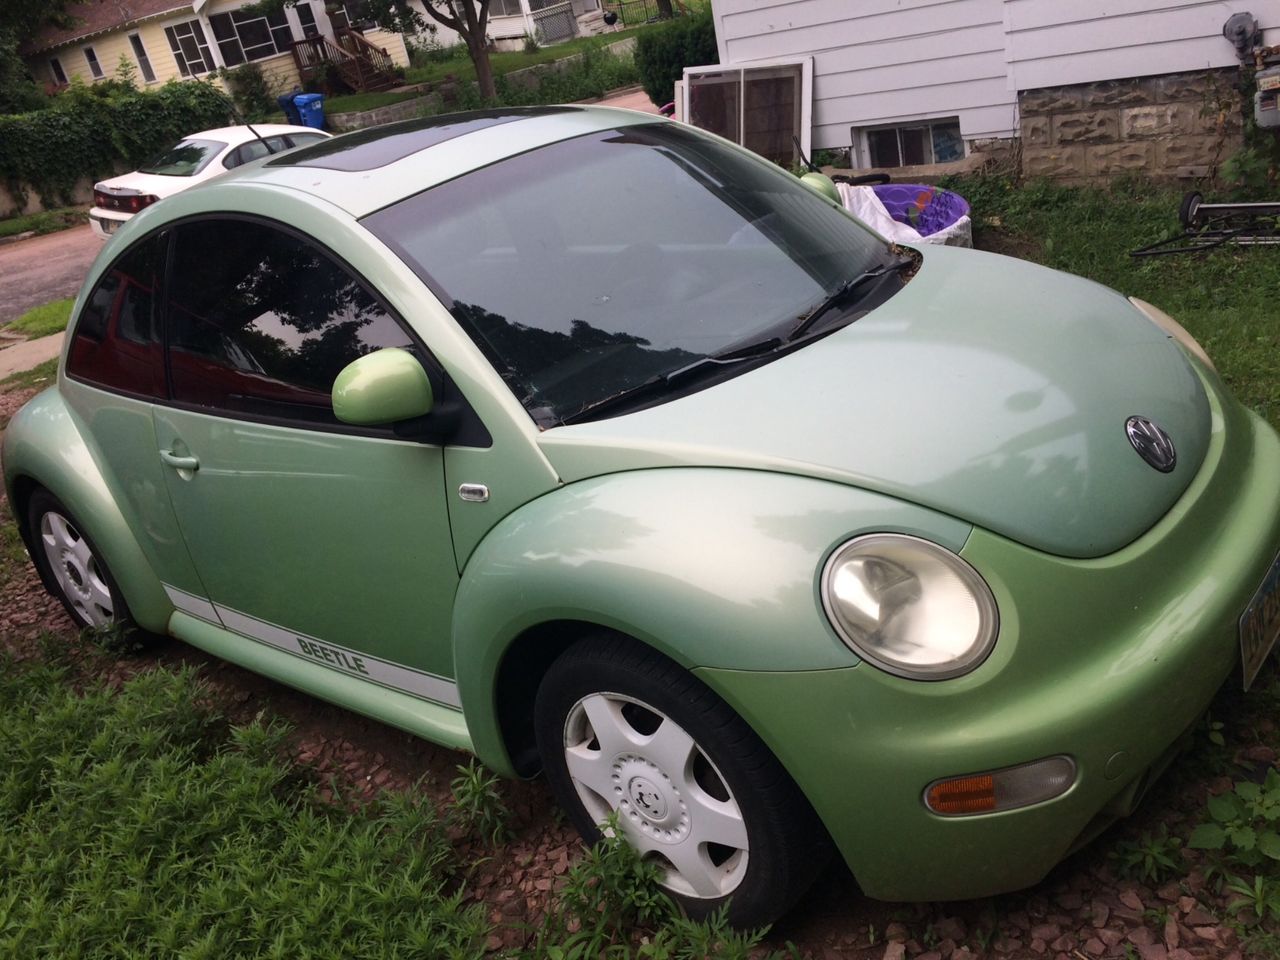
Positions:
{"x": 43, "y": 445}
{"x": 712, "y": 567}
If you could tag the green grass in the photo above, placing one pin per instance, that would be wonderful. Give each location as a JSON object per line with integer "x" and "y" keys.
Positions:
{"x": 42, "y": 375}
{"x": 44, "y": 320}
{"x": 133, "y": 822}
{"x": 462, "y": 69}
{"x": 1225, "y": 298}
{"x": 357, "y": 102}
{"x": 46, "y": 221}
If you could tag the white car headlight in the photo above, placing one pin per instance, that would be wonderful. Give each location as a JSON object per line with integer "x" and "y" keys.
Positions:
{"x": 1174, "y": 329}
{"x": 909, "y": 606}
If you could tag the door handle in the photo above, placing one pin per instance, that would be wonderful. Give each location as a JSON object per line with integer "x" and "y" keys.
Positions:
{"x": 180, "y": 463}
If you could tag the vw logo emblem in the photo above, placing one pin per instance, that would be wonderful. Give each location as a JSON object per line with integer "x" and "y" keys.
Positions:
{"x": 1152, "y": 443}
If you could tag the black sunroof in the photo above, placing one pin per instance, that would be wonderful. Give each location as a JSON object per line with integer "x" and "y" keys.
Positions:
{"x": 379, "y": 146}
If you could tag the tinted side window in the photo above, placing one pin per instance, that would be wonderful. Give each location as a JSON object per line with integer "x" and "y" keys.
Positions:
{"x": 261, "y": 322}
{"x": 117, "y": 337}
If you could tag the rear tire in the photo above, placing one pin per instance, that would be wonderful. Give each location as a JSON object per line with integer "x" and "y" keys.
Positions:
{"x": 1190, "y": 206}
{"x": 71, "y": 566}
{"x": 622, "y": 729}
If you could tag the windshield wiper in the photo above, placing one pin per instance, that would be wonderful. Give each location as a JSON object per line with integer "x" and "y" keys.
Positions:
{"x": 843, "y": 292}
{"x": 662, "y": 383}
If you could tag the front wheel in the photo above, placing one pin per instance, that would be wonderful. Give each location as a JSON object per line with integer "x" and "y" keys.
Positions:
{"x": 623, "y": 730}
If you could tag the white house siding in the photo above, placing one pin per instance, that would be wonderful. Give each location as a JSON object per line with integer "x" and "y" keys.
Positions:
{"x": 1055, "y": 43}
{"x": 878, "y": 62}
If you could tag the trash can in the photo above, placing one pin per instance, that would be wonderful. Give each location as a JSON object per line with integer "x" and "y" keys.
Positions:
{"x": 290, "y": 109}
{"x": 311, "y": 109}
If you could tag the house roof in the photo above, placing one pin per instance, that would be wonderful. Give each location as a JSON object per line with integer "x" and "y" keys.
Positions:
{"x": 94, "y": 17}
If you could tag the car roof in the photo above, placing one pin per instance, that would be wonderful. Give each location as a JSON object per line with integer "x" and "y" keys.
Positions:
{"x": 370, "y": 169}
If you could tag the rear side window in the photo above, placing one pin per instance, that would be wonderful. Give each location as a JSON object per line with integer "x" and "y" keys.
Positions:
{"x": 261, "y": 322}
{"x": 117, "y": 340}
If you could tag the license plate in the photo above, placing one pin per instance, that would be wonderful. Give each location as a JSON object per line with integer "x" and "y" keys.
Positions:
{"x": 1260, "y": 624}
{"x": 108, "y": 226}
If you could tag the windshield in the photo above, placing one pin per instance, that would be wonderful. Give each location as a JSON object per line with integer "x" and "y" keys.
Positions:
{"x": 589, "y": 267}
{"x": 186, "y": 159}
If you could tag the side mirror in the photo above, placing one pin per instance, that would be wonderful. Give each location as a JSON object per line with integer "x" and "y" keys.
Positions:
{"x": 385, "y": 386}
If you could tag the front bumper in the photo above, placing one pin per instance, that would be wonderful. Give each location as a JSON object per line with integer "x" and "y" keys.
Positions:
{"x": 1108, "y": 661}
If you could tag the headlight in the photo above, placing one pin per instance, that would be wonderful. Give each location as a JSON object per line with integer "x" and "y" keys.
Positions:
{"x": 908, "y": 606}
{"x": 1174, "y": 329}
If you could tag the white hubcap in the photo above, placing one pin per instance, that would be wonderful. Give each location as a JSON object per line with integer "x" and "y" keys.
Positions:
{"x": 672, "y": 803}
{"x": 76, "y": 569}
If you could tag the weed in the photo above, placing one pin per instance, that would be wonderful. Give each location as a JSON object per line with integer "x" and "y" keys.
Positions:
{"x": 116, "y": 638}
{"x": 1150, "y": 858}
{"x": 1262, "y": 897}
{"x": 478, "y": 806}
{"x": 38, "y": 376}
{"x": 1244, "y": 824}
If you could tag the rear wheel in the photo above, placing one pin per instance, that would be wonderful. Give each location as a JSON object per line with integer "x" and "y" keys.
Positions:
{"x": 623, "y": 730}
{"x": 71, "y": 566}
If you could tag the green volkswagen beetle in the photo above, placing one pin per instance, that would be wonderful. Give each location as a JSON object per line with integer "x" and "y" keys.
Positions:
{"x": 597, "y": 446}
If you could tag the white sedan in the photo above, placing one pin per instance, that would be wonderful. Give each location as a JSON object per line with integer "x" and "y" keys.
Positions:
{"x": 192, "y": 160}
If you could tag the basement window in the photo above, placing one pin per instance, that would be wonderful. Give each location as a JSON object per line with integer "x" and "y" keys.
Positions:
{"x": 909, "y": 145}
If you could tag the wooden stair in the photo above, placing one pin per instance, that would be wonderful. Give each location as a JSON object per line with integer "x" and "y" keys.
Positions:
{"x": 362, "y": 65}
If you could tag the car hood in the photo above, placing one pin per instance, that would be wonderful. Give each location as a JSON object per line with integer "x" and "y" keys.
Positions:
{"x": 128, "y": 184}
{"x": 988, "y": 388}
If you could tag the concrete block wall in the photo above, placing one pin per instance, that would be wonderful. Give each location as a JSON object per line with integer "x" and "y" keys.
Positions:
{"x": 1169, "y": 127}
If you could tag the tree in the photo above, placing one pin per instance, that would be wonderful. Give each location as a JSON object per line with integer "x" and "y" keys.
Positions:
{"x": 20, "y": 20}
{"x": 470, "y": 18}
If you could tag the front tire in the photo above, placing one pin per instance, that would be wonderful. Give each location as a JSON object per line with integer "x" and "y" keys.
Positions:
{"x": 622, "y": 729}
{"x": 71, "y": 566}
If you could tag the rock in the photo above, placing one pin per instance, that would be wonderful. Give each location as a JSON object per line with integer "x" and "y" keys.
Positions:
{"x": 962, "y": 953}
{"x": 1038, "y": 946}
{"x": 1063, "y": 943}
{"x": 946, "y": 947}
{"x": 1046, "y": 932}
{"x": 950, "y": 928}
{"x": 931, "y": 955}
{"x": 913, "y": 947}
{"x": 1095, "y": 947}
{"x": 895, "y": 950}
{"x": 1186, "y": 904}
{"x": 1153, "y": 951}
{"x": 1132, "y": 900}
{"x": 1169, "y": 892}
{"x": 1100, "y": 913}
{"x": 1070, "y": 901}
{"x": 1206, "y": 933}
{"x": 1198, "y": 916}
{"x": 1171, "y": 933}
{"x": 1110, "y": 937}
{"x": 895, "y": 931}
{"x": 1141, "y": 936}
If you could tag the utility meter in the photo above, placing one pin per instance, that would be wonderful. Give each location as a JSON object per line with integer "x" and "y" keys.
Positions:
{"x": 1265, "y": 107}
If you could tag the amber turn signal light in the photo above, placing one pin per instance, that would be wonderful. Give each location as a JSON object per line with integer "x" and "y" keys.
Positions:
{"x": 996, "y": 790}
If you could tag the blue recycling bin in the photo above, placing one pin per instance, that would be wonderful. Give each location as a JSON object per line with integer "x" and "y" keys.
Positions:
{"x": 290, "y": 109}
{"x": 311, "y": 109}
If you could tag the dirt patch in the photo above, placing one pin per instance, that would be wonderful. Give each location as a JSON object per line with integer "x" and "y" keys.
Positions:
{"x": 994, "y": 237}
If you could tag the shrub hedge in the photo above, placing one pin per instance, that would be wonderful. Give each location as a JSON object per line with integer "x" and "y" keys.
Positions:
{"x": 88, "y": 132}
{"x": 663, "y": 51}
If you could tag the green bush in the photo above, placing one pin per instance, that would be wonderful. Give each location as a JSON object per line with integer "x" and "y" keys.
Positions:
{"x": 662, "y": 53}
{"x": 250, "y": 91}
{"x": 92, "y": 131}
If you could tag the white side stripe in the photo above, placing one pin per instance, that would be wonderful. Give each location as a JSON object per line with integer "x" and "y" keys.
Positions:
{"x": 191, "y": 604}
{"x": 344, "y": 660}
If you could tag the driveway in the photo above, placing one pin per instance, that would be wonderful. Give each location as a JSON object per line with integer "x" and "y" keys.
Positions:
{"x": 45, "y": 268}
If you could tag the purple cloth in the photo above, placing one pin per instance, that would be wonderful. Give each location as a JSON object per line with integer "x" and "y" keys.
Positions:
{"x": 926, "y": 208}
